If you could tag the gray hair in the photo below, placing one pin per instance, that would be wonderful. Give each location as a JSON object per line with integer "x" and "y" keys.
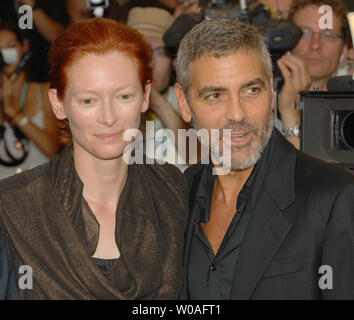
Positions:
{"x": 219, "y": 37}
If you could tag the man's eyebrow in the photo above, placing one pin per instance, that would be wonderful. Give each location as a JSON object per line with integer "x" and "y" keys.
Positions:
{"x": 208, "y": 89}
{"x": 257, "y": 81}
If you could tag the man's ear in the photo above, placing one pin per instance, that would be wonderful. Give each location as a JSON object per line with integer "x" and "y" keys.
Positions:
{"x": 146, "y": 101}
{"x": 183, "y": 103}
{"x": 272, "y": 90}
{"x": 57, "y": 105}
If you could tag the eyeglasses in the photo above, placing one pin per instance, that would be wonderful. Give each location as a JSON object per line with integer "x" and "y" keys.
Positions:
{"x": 328, "y": 36}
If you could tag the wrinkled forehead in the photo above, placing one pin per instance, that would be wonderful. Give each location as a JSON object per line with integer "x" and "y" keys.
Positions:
{"x": 238, "y": 56}
{"x": 241, "y": 66}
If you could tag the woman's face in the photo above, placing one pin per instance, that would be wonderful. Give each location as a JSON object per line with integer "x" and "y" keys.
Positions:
{"x": 103, "y": 98}
{"x": 11, "y": 50}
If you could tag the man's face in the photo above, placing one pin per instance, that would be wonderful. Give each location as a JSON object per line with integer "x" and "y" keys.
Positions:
{"x": 231, "y": 92}
{"x": 161, "y": 64}
{"x": 322, "y": 57}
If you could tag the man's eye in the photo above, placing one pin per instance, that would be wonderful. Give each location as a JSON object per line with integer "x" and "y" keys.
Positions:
{"x": 160, "y": 52}
{"x": 213, "y": 96}
{"x": 328, "y": 35}
{"x": 253, "y": 91}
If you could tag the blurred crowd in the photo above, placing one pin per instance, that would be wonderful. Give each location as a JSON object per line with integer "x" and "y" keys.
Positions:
{"x": 319, "y": 55}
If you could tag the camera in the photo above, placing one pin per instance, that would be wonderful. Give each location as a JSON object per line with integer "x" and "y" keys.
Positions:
{"x": 2, "y": 63}
{"x": 343, "y": 130}
{"x": 93, "y": 4}
{"x": 327, "y": 126}
{"x": 97, "y": 6}
{"x": 279, "y": 35}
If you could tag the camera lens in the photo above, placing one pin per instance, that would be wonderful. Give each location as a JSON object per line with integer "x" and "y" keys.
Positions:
{"x": 348, "y": 130}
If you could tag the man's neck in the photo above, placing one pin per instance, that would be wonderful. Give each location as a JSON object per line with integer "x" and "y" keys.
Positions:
{"x": 228, "y": 186}
{"x": 320, "y": 84}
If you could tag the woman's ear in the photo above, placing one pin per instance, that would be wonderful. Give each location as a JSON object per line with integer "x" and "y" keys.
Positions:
{"x": 183, "y": 103}
{"x": 146, "y": 97}
{"x": 57, "y": 105}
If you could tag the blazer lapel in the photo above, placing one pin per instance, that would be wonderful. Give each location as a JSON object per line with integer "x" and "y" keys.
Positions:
{"x": 269, "y": 225}
{"x": 267, "y": 230}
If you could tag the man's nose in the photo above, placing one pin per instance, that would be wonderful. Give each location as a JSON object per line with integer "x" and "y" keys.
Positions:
{"x": 316, "y": 41}
{"x": 235, "y": 110}
{"x": 108, "y": 114}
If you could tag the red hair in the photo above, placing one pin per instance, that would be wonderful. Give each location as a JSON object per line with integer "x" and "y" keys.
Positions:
{"x": 95, "y": 36}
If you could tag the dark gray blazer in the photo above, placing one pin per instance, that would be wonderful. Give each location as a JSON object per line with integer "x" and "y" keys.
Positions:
{"x": 303, "y": 219}
{"x": 8, "y": 287}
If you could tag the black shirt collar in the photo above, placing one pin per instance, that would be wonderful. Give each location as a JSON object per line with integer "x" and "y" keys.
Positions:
{"x": 250, "y": 190}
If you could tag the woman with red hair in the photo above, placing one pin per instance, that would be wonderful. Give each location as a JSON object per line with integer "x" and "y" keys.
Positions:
{"x": 88, "y": 225}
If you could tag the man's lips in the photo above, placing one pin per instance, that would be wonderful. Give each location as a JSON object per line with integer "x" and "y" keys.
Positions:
{"x": 314, "y": 60}
{"x": 239, "y": 139}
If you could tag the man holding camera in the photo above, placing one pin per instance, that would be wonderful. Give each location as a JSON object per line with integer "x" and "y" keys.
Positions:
{"x": 279, "y": 225}
{"x": 314, "y": 60}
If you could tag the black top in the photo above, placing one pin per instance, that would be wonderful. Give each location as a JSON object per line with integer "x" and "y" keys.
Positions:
{"x": 106, "y": 266}
{"x": 210, "y": 276}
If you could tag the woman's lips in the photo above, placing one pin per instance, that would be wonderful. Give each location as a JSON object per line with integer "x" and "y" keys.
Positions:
{"x": 108, "y": 137}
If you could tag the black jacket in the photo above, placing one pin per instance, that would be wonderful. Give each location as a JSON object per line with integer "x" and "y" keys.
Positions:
{"x": 8, "y": 288}
{"x": 303, "y": 219}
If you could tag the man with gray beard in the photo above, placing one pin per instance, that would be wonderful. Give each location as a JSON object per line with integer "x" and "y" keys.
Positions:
{"x": 279, "y": 224}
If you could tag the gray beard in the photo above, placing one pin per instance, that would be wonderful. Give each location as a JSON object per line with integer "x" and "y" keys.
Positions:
{"x": 255, "y": 153}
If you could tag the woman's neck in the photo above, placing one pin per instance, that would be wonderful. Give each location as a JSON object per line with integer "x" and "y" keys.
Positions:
{"x": 103, "y": 180}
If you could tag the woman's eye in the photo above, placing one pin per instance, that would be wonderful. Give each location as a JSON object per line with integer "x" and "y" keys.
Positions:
{"x": 124, "y": 97}
{"x": 86, "y": 101}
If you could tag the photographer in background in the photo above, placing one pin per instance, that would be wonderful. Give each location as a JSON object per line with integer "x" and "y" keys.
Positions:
{"x": 163, "y": 108}
{"x": 77, "y": 10}
{"x": 280, "y": 8}
{"x": 49, "y": 20}
{"x": 25, "y": 105}
{"x": 313, "y": 61}
{"x": 119, "y": 9}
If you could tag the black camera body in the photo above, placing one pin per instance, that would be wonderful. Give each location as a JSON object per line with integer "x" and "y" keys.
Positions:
{"x": 327, "y": 126}
{"x": 93, "y": 4}
{"x": 2, "y": 63}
